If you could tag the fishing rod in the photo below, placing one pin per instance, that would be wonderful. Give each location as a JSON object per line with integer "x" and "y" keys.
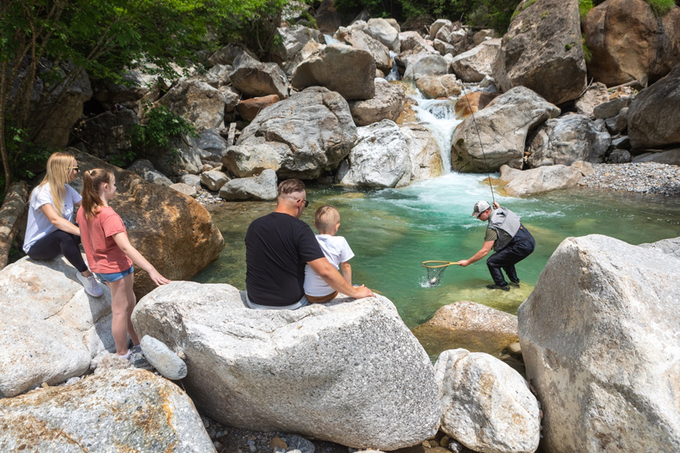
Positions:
{"x": 481, "y": 144}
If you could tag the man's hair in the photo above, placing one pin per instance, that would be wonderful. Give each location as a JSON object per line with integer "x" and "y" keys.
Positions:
{"x": 326, "y": 218}
{"x": 290, "y": 186}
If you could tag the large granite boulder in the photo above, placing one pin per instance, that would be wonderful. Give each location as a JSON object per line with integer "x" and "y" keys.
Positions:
{"x": 468, "y": 325}
{"x": 387, "y": 104}
{"x": 361, "y": 40}
{"x": 300, "y": 137}
{"x": 539, "y": 180}
{"x": 476, "y": 63}
{"x": 173, "y": 231}
{"x": 145, "y": 169}
{"x": 55, "y": 109}
{"x": 568, "y": 139}
{"x": 348, "y": 371}
{"x": 380, "y": 158}
{"x": 426, "y": 157}
{"x": 339, "y": 68}
{"x": 381, "y": 30}
{"x": 138, "y": 85}
{"x": 628, "y": 41}
{"x": 426, "y": 64}
{"x": 108, "y": 134}
{"x": 438, "y": 86}
{"x": 54, "y": 328}
{"x": 197, "y": 102}
{"x": 487, "y": 406}
{"x": 653, "y": 116}
{"x": 258, "y": 187}
{"x": 599, "y": 337}
{"x": 254, "y": 78}
{"x": 542, "y": 51}
{"x": 291, "y": 40}
{"x": 122, "y": 410}
{"x": 450, "y": 37}
{"x": 496, "y": 135}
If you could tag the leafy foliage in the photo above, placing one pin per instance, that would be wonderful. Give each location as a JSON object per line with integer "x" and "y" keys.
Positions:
{"x": 661, "y": 7}
{"x": 161, "y": 124}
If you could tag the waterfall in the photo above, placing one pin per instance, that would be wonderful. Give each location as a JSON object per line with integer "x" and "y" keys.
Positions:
{"x": 330, "y": 40}
{"x": 439, "y": 117}
{"x": 394, "y": 71}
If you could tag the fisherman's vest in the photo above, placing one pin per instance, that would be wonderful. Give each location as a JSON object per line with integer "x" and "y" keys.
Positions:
{"x": 506, "y": 224}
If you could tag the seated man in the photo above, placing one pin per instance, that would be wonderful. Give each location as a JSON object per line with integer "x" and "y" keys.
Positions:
{"x": 278, "y": 246}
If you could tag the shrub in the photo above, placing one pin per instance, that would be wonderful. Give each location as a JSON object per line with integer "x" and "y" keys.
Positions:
{"x": 661, "y": 7}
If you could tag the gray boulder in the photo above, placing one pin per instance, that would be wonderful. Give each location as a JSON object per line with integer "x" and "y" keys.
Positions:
{"x": 54, "y": 328}
{"x": 595, "y": 95}
{"x": 611, "y": 108}
{"x": 468, "y": 325}
{"x": 475, "y": 64}
{"x": 380, "y": 158}
{"x": 218, "y": 76}
{"x": 254, "y": 78}
{"x": 503, "y": 126}
{"x": 197, "y": 102}
{"x": 599, "y": 336}
{"x": 139, "y": 86}
{"x": 387, "y": 103}
{"x": 145, "y": 169}
{"x": 670, "y": 157}
{"x": 381, "y": 30}
{"x": 259, "y": 187}
{"x": 108, "y": 134}
{"x": 211, "y": 145}
{"x": 185, "y": 189}
{"x": 300, "y": 137}
{"x": 214, "y": 179}
{"x": 566, "y": 140}
{"x": 165, "y": 361}
{"x": 433, "y": 87}
{"x": 426, "y": 157}
{"x": 653, "y": 116}
{"x": 412, "y": 40}
{"x": 542, "y": 51}
{"x": 426, "y": 65}
{"x": 228, "y": 54}
{"x": 449, "y": 37}
{"x": 316, "y": 371}
{"x": 539, "y": 180}
{"x": 339, "y": 68}
{"x": 360, "y": 40}
{"x": 292, "y": 39}
{"x": 487, "y": 406}
{"x": 122, "y": 410}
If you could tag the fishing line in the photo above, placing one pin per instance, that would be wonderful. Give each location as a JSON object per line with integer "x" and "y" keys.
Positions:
{"x": 479, "y": 137}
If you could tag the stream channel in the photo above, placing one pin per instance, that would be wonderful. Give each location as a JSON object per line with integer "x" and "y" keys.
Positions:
{"x": 392, "y": 231}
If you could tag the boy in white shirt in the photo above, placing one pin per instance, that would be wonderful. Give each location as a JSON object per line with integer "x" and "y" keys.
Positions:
{"x": 337, "y": 251}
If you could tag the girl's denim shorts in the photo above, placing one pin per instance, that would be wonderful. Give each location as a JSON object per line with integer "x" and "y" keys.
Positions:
{"x": 115, "y": 276}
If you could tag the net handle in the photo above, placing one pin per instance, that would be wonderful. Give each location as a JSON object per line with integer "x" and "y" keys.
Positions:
{"x": 434, "y": 264}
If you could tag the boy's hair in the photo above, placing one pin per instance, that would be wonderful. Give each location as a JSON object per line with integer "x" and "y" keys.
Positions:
{"x": 290, "y": 186}
{"x": 92, "y": 183}
{"x": 326, "y": 217}
{"x": 58, "y": 169}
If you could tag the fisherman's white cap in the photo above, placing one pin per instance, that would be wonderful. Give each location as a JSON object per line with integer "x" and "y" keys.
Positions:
{"x": 480, "y": 207}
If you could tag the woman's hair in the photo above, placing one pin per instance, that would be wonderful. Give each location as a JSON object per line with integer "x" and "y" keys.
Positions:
{"x": 58, "y": 168}
{"x": 92, "y": 183}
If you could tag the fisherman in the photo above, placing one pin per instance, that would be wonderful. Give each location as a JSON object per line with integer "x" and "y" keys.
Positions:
{"x": 510, "y": 240}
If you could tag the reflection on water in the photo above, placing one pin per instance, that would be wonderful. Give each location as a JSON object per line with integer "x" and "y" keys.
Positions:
{"x": 393, "y": 231}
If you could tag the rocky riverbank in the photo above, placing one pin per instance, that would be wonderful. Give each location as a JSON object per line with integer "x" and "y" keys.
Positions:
{"x": 642, "y": 177}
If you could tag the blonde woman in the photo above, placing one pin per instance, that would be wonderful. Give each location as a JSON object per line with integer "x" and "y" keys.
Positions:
{"x": 50, "y": 231}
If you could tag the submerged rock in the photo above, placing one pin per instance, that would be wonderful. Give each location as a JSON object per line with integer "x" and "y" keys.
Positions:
{"x": 599, "y": 336}
{"x": 468, "y": 325}
{"x": 348, "y": 371}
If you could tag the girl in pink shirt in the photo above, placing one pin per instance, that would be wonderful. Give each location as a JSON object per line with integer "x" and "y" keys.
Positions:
{"x": 110, "y": 253}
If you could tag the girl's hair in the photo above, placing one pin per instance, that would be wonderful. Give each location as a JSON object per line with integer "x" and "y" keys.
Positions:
{"x": 59, "y": 165}
{"x": 92, "y": 183}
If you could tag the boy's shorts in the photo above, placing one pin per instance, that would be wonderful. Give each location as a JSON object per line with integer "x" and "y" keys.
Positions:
{"x": 321, "y": 299}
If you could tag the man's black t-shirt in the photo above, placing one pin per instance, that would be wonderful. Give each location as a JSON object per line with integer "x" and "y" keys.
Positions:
{"x": 277, "y": 248}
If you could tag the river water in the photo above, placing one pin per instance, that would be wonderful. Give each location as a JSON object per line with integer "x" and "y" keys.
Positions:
{"x": 392, "y": 231}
